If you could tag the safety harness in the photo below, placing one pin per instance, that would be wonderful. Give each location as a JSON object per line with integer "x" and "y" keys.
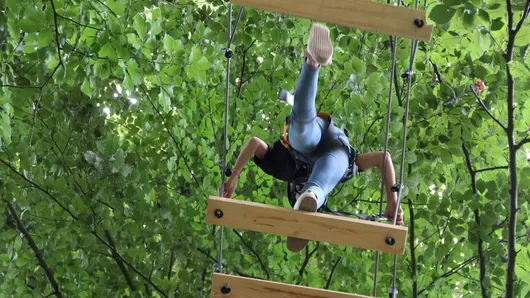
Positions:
{"x": 304, "y": 165}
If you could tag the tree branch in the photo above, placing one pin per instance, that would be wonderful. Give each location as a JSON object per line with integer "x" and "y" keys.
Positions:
{"x": 116, "y": 254}
{"x": 522, "y": 143}
{"x": 20, "y": 87}
{"x": 119, "y": 261}
{"x": 77, "y": 23}
{"x": 480, "y": 248}
{"x": 492, "y": 169}
{"x": 526, "y": 12}
{"x": 36, "y": 251}
{"x": 333, "y": 86}
{"x": 171, "y": 262}
{"x": 308, "y": 256}
{"x": 513, "y": 200}
{"x": 39, "y": 188}
{"x": 479, "y": 99}
{"x": 449, "y": 273}
{"x": 55, "y": 15}
{"x": 328, "y": 283}
{"x": 168, "y": 129}
{"x": 253, "y": 252}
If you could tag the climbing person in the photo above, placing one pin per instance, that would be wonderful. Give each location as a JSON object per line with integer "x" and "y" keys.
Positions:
{"x": 312, "y": 139}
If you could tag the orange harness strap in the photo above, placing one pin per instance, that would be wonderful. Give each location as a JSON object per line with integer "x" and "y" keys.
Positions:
{"x": 285, "y": 139}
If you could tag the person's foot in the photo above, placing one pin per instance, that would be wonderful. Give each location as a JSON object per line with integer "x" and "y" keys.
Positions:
{"x": 319, "y": 44}
{"x": 306, "y": 202}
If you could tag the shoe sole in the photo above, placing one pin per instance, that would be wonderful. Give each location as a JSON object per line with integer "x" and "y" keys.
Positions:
{"x": 308, "y": 204}
{"x": 319, "y": 44}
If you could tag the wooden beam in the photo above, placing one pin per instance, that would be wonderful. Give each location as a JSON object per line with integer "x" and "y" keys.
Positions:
{"x": 361, "y": 14}
{"x": 242, "y": 287}
{"x": 311, "y": 226}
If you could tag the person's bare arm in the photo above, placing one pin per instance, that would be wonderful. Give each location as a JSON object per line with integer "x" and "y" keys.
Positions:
{"x": 375, "y": 160}
{"x": 254, "y": 146}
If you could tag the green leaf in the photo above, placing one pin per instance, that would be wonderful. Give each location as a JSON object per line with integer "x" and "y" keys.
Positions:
{"x": 5, "y": 125}
{"x": 195, "y": 55}
{"x": 18, "y": 243}
{"x": 164, "y": 101}
{"x": 101, "y": 69}
{"x": 169, "y": 44}
{"x": 202, "y": 64}
{"x": 519, "y": 70}
{"x": 497, "y": 24}
{"x": 479, "y": 43}
{"x": 29, "y": 26}
{"x": 484, "y": 15}
{"x": 442, "y": 14}
{"x": 35, "y": 15}
{"x": 358, "y": 65}
{"x": 45, "y": 38}
{"x": 135, "y": 72}
{"x": 5, "y": 97}
{"x": 139, "y": 26}
{"x": 90, "y": 157}
{"x": 87, "y": 88}
{"x": 117, "y": 6}
{"x": 13, "y": 5}
{"x": 107, "y": 51}
{"x": 469, "y": 19}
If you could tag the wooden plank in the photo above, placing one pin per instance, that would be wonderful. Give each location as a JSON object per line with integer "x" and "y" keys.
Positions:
{"x": 312, "y": 226}
{"x": 243, "y": 287}
{"x": 362, "y": 14}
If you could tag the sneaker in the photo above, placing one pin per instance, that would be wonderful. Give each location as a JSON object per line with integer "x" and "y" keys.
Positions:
{"x": 319, "y": 44}
{"x": 306, "y": 202}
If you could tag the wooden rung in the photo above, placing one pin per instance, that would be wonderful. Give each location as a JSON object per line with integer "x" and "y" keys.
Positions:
{"x": 243, "y": 287}
{"x": 312, "y": 226}
{"x": 361, "y": 14}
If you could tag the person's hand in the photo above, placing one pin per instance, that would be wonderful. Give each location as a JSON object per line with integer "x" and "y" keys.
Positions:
{"x": 230, "y": 186}
{"x": 389, "y": 213}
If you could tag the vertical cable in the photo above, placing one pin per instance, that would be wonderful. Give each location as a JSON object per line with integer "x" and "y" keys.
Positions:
{"x": 408, "y": 74}
{"x": 387, "y": 130}
{"x": 225, "y": 139}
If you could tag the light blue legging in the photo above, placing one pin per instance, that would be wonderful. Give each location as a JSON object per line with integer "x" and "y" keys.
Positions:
{"x": 308, "y": 135}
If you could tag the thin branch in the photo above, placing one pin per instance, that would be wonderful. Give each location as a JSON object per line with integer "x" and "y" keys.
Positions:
{"x": 437, "y": 72}
{"x": 498, "y": 226}
{"x": 36, "y": 251}
{"x": 120, "y": 262}
{"x": 19, "y": 87}
{"x": 449, "y": 273}
{"x": 522, "y": 143}
{"x": 253, "y": 252}
{"x": 171, "y": 262}
{"x": 39, "y": 188}
{"x": 55, "y": 15}
{"x": 369, "y": 128}
{"x": 333, "y": 87}
{"x": 116, "y": 254}
{"x": 526, "y": 12}
{"x": 77, "y": 23}
{"x": 101, "y": 2}
{"x": 308, "y": 256}
{"x": 37, "y": 102}
{"x": 492, "y": 169}
{"x": 480, "y": 244}
{"x": 479, "y": 99}
{"x": 168, "y": 129}
{"x": 328, "y": 283}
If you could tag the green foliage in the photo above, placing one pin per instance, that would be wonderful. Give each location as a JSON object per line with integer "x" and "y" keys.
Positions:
{"x": 111, "y": 118}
